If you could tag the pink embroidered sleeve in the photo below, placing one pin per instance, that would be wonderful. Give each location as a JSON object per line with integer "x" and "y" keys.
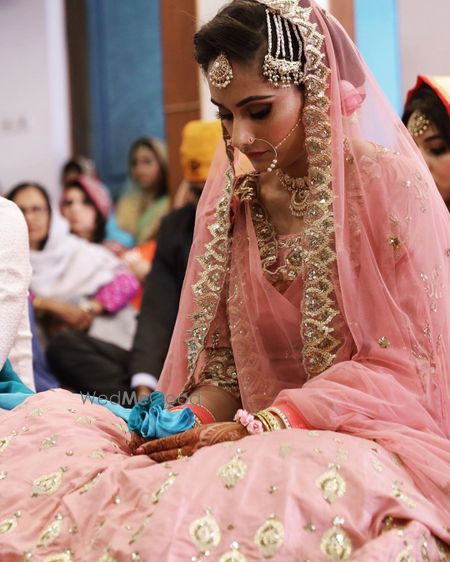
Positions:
{"x": 118, "y": 293}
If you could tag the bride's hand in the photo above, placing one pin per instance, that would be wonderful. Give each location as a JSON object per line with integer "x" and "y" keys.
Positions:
{"x": 185, "y": 444}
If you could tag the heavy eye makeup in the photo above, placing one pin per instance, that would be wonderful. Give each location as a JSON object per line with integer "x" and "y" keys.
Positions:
{"x": 258, "y": 112}
{"x": 435, "y": 145}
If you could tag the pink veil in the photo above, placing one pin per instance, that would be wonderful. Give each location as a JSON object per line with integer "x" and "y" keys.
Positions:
{"x": 360, "y": 342}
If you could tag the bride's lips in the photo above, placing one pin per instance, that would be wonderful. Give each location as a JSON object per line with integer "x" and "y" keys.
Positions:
{"x": 256, "y": 155}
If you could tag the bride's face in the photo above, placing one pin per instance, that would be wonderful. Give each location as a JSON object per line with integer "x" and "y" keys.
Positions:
{"x": 250, "y": 107}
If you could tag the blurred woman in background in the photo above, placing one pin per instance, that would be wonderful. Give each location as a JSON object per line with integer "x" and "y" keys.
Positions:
{"x": 427, "y": 116}
{"x": 139, "y": 211}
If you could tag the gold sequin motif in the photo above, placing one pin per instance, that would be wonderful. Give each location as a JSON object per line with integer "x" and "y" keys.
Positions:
{"x": 398, "y": 493}
{"x": 232, "y": 472}
{"x": 336, "y": 544}
{"x": 4, "y": 442}
{"x": 332, "y": 484}
{"x": 270, "y": 537}
{"x": 8, "y": 525}
{"x": 156, "y": 496}
{"x": 50, "y": 533}
{"x": 86, "y": 487}
{"x": 47, "y": 484}
{"x": 205, "y": 533}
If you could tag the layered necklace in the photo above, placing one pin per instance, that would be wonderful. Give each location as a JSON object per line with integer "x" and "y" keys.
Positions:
{"x": 299, "y": 188}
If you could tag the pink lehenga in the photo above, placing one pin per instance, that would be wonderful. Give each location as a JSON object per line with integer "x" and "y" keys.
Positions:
{"x": 348, "y": 324}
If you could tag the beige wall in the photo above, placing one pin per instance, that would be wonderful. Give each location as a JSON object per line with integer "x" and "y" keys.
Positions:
{"x": 34, "y": 103}
{"x": 424, "y": 38}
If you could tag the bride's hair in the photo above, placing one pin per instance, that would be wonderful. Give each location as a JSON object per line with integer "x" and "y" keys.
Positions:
{"x": 239, "y": 31}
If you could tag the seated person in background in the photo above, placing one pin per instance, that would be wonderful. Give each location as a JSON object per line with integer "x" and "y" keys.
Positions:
{"x": 15, "y": 272}
{"x": 82, "y": 356}
{"x": 112, "y": 237}
{"x": 427, "y": 116}
{"x": 146, "y": 201}
{"x": 86, "y": 204}
{"x": 76, "y": 284}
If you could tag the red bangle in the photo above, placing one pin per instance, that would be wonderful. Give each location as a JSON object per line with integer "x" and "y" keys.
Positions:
{"x": 201, "y": 413}
{"x": 296, "y": 420}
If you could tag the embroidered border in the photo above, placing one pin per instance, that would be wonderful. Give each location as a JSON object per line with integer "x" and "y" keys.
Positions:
{"x": 208, "y": 288}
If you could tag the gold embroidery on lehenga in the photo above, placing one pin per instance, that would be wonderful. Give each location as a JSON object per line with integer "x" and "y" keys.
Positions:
{"x": 398, "y": 493}
{"x": 443, "y": 549}
{"x": 232, "y": 472}
{"x": 270, "y": 537}
{"x": 97, "y": 454}
{"x": 88, "y": 420}
{"x": 93, "y": 482}
{"x": 205, "y": 533}
{"x": 233, "y": 555}
{"x": 3, "y": 474}
{"x": 335, "y": 543}
{"x": 137, "y": 534}
{"x": 8, "y": 525}
{"x": 65, "y": 556}
{"x": 4, "y": 442}
{"x": 284, "y": 450}
{"x": 49, "y": 442}
{"x": 405, "y": 555}
{"x": 50, "y": 533}
{"x": 107, "y": 558}
{"x": 156, "y": 496}
{"x": 36, "y": 413}
{"x": 332, "y": 484}
{"x": 424, "y": 548}
{"x": 47, "y": 484}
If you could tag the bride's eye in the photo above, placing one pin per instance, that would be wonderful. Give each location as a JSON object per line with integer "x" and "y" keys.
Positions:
{"x": 262, "y": 113}
{"x": 224, "y": 116}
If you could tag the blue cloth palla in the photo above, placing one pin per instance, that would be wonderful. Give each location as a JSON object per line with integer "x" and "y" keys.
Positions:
{"x": 149, "y": 417}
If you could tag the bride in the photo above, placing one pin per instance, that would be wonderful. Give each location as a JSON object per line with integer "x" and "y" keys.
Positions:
{"x": 316, "y": 313}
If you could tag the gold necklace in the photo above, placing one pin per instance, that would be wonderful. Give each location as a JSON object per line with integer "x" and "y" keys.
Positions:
{"x": 300, "y": 192}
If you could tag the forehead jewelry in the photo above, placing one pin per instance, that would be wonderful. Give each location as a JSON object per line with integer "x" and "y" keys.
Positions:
{"x": 282, "y": 63}
{"x": 220, "y": 74}
{"x": 418, "y": 123}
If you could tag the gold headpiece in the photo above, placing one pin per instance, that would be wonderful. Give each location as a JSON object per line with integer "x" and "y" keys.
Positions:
{"x": 220, "y": 74}
{"x": 418, "y": 123}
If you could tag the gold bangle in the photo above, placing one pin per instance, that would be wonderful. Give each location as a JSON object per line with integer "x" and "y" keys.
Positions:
{"x": 281, "y": 415}
{"x": 271, "y": 421}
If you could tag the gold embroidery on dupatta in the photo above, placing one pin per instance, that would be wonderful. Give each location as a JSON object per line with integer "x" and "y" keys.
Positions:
{"x": 232, "y": 472}
{"x": 208, "y": 288}
{"x": 107, "y": 558}
{"x": 319, "y": 300}
{"x": 205, "y": 533}
{"x": 270, "y": 537}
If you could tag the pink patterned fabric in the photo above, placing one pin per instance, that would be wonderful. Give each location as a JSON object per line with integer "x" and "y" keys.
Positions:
{"x": 118, "y": 293}
{"x": 81, "y": 490}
